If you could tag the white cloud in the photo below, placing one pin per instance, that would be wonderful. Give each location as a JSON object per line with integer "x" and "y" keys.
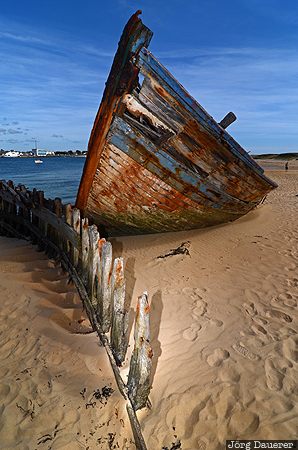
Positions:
{"x": 259, "y": 85}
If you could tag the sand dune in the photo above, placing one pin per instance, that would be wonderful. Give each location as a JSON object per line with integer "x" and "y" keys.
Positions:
{"x": 224, "y": 334}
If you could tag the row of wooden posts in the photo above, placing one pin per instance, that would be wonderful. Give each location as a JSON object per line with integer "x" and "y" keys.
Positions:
{"x": 99, "y": 278}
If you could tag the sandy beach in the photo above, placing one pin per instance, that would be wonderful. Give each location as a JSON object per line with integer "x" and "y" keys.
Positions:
{"x": 224, "y": 335}
{"x": 57, "y": 389}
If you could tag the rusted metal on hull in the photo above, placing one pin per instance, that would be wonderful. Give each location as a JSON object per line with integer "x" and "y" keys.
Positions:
{"x": 157, "y": 161}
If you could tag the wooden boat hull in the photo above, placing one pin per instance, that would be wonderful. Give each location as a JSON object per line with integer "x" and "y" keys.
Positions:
{"x": 157, "y": 161}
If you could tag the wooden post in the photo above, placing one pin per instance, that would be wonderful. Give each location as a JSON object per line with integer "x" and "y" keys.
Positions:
{"x": 67, "y": 213}
{"x": 42, "y": 224}
{"x": 104, "y": 291}
{"x": 76, "y": 225}
{"x": 58, "y": 208}
{"x": 85, "y": 252}
{"x": 119, "y": 329}
{"x": 93, "y": 264}
{"x": 141, "y": 361}
{"x": 67, "y": 218}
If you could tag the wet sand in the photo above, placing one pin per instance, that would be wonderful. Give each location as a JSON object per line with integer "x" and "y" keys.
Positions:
{"x": 224, "y": 334}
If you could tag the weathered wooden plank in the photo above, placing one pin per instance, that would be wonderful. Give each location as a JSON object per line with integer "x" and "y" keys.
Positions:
{"x": 160, "y": 163}
{"x": 199, "y": 148}
{"x": 57, "y": 223}
{"x": 119, "y": 328}
{"x": 76, "y": 226}
{"x": 68, "y": 213}
{"x": 85, "y": 252}
{"x": 67, "y": 209}
{"x": 104, "y": 292}
{"x": 139, "y": 383}
{"x": 93, "y": 264}
{"x": 151, "y": 67}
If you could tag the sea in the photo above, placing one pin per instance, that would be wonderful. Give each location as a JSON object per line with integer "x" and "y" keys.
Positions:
{"x": 56, "y": 176}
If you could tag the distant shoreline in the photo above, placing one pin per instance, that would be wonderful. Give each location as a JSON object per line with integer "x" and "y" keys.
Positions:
{"x": 277, "y": 156}
{"x": 46, "y": 156}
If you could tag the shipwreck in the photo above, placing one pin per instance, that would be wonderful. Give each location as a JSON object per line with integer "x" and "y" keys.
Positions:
{"x": 157, "y": 161}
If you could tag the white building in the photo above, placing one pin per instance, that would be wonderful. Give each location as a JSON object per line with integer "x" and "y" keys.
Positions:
{"x": 11, "y": 154}
{"x": 40, "y": 152}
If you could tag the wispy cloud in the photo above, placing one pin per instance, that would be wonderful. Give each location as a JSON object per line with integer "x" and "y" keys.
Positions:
{"x": 258, "y": 84}
{"x": 49, "y": 83}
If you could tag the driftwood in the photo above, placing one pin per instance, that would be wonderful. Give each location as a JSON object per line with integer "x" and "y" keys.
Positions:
{"x": 183, "y": 249}
{"x": 88, "y": 259}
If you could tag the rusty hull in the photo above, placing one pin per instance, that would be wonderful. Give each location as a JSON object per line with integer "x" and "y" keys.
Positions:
{"x": 157, "y": 161}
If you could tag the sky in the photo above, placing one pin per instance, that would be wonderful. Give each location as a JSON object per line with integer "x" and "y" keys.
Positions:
{"x": 237, "y": 55}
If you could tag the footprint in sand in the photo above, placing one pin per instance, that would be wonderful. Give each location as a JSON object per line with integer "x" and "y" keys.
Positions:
{"x": 277, "y": 314}
{"x": 200, "y": 308}
{"x": 250, "y": 309}
{"x": 260, "y": 320}
{"x": 285, "y": 299}
{"x": 244, "y": 422}
{"x": 194, "y": 293}
{"x": 216, "y": 358}
{"x": 274, "y": 378}
{"x": 288, "y": 299}
{"x": 229, "y": 373}
{"x": 290, "y": 348}
{"x": 258, "y": 329}
{"x": 243, "y": 351}
{"x": 216, "y": 322}
{"x": 201, "y": 445}
{"x": 293, "y": 282}
{"x": 190, "y": 334}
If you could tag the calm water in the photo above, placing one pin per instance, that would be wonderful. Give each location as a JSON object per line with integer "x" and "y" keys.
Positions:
{"x": 57, "y": 176}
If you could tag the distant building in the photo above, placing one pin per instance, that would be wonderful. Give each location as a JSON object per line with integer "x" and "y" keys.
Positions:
{"x": 40, "y": 152}
{"x": 12, "y": 154}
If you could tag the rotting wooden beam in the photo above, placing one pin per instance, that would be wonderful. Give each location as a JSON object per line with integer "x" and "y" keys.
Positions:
{"x": 139, "y": 384}
{"x": 119, "y": 328}
{"x": 93, "y": 263}
{"x": 104, "y": 292}
{"x": 84, "y": 250}
{"x": 76, "y": 225}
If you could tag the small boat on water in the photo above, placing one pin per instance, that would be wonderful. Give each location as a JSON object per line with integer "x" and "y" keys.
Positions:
{"x": 157, "y": 161}
{"x": 38, "y": 161}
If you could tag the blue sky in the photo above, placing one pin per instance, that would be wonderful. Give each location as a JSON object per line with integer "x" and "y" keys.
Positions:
{"x": 238, "y": 55}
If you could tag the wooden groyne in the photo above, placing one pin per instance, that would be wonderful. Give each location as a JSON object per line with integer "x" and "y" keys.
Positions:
{"x": 63, "y": 234}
